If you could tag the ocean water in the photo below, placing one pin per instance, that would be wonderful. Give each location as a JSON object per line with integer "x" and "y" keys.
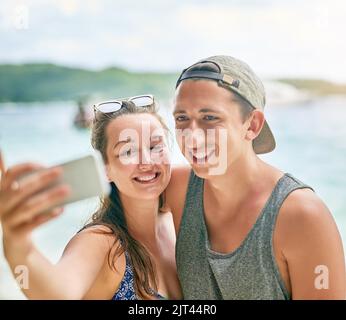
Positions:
{"x": 311, "y": 144}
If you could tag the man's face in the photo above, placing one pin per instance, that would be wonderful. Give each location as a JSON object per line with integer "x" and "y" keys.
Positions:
{"x": 209, "y": 127}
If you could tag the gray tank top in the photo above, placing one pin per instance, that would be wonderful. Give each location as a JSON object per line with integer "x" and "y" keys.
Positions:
{"x": 250, "y": 272}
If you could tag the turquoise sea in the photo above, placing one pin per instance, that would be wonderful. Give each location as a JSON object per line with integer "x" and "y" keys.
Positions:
{"x": 311, "y": 144}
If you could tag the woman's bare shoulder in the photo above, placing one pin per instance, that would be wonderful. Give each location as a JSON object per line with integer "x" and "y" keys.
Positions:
{"x": 97, "y": 239}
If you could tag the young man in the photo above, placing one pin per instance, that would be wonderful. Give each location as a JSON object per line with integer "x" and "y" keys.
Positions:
{"x": 245, "y": 230}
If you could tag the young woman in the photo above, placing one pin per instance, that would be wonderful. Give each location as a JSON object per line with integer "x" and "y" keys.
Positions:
{"x": 128, "y": 249}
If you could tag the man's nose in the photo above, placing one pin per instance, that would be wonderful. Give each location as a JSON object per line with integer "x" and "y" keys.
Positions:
{"x": 195, "y": 138}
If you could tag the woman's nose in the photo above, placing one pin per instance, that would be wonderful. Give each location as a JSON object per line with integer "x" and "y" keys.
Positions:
{"x": 145, "y": 167}
{"x": 145, "y": 161}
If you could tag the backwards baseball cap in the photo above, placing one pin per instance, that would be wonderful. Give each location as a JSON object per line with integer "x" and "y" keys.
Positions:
{"x": 238, "y": 77}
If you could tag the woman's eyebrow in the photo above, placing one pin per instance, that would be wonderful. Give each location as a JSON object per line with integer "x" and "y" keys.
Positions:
{"x": 121, "y": 141}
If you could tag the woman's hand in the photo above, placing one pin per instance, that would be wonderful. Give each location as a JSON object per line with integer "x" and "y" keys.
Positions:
{"x": 27, "y": 203}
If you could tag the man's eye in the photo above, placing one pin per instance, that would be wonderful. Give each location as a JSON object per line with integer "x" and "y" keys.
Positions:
{"x": 210, "y": 118}
{"x": 180, "y": 118}
{"x": 157, "y": 148}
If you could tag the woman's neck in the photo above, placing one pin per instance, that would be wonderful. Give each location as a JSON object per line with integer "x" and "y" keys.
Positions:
{"x": 141, "y": 218}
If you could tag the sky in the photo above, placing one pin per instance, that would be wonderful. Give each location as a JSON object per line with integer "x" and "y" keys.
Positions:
{"x": 277, "y": 38}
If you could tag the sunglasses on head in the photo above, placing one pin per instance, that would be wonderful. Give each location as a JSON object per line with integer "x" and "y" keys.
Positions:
{"x": 115, "y": 105}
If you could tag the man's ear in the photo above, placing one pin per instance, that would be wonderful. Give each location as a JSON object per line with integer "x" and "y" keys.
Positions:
{"x": 255, "y": 124}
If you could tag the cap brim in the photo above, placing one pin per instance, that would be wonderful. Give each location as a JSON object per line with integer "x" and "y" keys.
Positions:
{"x": 265, "y": 141}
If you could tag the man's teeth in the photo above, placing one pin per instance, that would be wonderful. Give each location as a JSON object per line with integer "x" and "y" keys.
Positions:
{"x": 202, "y": 156}
{"x": 146, "y": 178}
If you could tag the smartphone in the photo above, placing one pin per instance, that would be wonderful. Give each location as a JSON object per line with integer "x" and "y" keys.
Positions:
{"x": 86, "y": 176}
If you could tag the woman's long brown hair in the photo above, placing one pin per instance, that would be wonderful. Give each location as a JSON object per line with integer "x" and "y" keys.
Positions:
{"x": 111, "y": 214}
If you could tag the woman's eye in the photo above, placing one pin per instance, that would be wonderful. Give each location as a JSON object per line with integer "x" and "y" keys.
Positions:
{"x": 127, "y": 153}
{"x": 209, "y": 118}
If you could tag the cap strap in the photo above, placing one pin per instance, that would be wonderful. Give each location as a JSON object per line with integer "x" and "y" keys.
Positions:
{"x": 208, "y": 75}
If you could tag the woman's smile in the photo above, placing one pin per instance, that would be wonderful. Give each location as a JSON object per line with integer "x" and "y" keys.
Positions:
{"x": 148, "y": 178}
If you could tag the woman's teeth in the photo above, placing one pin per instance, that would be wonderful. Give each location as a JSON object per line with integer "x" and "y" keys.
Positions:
{"x": 147, "y": 178}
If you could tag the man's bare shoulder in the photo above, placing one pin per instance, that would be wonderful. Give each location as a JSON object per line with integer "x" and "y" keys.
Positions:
{"x": 308, "y": 237}
{"x": 303, "y": 214}
{"x": 304, "y": 206}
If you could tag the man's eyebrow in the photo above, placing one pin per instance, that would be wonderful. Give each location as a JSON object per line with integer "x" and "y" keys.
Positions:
{"x": 179, "y": 111}
{"x": 203, "y": 110}
{"x": 206, "y": 110}
{"x": 156, "y": 138}
{"x": 122, "y": 141}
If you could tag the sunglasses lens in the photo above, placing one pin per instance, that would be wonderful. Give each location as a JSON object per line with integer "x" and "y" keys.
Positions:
{"x": 142, "y": 101}
{"x": 108, "y": 107}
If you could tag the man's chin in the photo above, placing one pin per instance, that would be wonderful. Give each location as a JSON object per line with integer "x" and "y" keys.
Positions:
{"x": 202, "y": 171}
{"x": 206, "y": 171}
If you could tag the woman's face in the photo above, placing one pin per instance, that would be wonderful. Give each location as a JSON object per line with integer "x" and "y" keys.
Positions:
{"x": 137, "y": 155}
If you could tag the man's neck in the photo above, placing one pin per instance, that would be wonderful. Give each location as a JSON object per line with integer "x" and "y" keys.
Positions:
{"x": 245, "y": 178}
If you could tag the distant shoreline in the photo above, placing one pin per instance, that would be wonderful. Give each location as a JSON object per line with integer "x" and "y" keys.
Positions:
{"x": 316, "y": 86}
{"x": 37, "y": 82}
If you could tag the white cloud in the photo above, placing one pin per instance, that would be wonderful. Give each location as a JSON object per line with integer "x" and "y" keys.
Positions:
{"x": 277, "y": 38}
